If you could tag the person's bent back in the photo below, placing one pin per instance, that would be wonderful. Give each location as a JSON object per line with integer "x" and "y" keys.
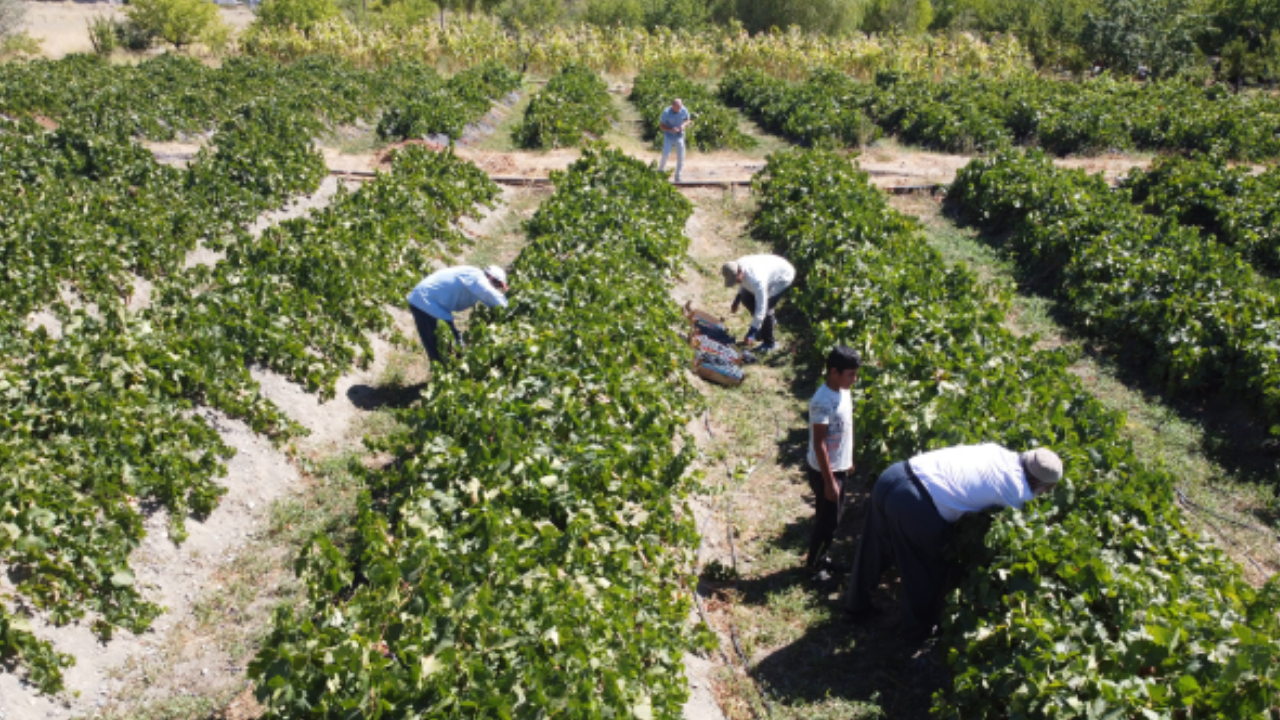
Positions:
{"x": 449, "y": 291}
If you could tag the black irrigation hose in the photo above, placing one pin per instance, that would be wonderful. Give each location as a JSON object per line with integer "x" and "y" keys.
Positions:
{"x": 733, "y": 630}
{"x": 1191, "y": 505}
{"x": 1182, "y": 496}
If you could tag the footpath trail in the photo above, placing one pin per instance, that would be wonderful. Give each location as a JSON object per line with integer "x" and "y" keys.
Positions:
{"x": 803, "y": 661}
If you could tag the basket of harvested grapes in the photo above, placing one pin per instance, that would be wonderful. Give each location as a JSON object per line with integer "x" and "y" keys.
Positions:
{"x": 714, "y": 356}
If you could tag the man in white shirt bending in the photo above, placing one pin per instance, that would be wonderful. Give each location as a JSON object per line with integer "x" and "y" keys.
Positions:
{"x": 763, "y": 279}
{"x": 449, "y": 291}
{"x": 830, "y": 453}
{"x": 913, "y": 505}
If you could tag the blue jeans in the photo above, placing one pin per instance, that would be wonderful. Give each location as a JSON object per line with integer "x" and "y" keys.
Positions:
{"x": 669, "y": 142}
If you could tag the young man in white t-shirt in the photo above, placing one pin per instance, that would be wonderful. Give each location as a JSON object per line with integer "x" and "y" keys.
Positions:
{"x": 830, "y": 451}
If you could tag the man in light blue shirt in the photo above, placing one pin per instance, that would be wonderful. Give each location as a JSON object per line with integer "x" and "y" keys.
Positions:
{"x": 673, "y": 122}
{"x": 449, "y": 291}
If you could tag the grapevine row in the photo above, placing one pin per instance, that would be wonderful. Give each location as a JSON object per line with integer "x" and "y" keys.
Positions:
{"x": 715, "y": 126}
{"x": 100, "y": 418}
{"x": 173, "y": 95}
{"x": 574, "y": 102}
{"x": 1193, "y": 311}
{"x": 978, "y": 114}
{"x": 1096, "y": 601}
{"x": 445, "y": 108}
{"x": 524, "y": 552}
{"x": 1231, "y": 204}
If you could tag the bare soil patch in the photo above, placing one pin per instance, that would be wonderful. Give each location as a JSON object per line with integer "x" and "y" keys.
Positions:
{"x": 219, "y": 587}
{"x": 63, "y": 27}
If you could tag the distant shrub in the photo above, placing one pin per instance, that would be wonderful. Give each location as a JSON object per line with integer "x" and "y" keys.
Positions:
{"x": 179, "y": 22}
{"x": 302, "y": 14}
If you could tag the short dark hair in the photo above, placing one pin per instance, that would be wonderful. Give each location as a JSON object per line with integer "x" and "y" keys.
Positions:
{"x": 843, "y": 357}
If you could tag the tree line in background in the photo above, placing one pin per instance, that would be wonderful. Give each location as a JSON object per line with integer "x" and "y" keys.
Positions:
{"x": 1232, "y": 40}
{"x": 1237, "y": 41}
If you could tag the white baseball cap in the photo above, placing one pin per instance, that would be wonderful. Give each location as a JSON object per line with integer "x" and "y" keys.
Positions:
{"x": 498, "y": 274}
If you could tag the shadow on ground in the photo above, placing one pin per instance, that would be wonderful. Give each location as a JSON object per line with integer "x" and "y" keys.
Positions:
{"x": 835, "y": 659}
{"x": 369, "y": 397}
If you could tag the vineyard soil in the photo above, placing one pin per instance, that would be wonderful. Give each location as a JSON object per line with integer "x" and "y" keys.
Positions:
{"x": 220, "y": 586}
{"x": 62, "y": 27}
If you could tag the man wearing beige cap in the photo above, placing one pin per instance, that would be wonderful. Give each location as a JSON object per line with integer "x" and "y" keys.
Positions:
{"x": 913, "y": 506}
{"x": 763, "y": 279}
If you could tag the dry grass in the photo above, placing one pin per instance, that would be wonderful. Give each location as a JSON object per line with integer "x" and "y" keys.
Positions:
{"x": 805, "y": 661}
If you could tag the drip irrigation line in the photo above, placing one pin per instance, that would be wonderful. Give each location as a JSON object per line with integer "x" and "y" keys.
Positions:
{"x": 697, "y": 599}
{"x": 1182, "y": 496}
{"x": 733, "y": 551}
{"x": 1190, "y": 505}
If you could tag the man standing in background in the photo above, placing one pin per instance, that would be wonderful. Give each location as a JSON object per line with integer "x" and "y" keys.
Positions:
{"x": 673, "y": 122}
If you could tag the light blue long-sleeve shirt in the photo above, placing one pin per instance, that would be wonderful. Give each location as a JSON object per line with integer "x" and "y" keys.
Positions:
{"x": 672, "y": 119}
{"x": 445, "y": 292}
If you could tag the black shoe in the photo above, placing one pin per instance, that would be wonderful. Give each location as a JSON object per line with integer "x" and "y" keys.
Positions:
{"x": 918, "y": 637}
{"x": 861, "y": 616}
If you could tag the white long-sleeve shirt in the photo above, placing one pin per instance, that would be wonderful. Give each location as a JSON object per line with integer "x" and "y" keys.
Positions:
{"x": 445, "y": 292}
{"x": 764, "y": 276}
{"x": 972, "y": 478}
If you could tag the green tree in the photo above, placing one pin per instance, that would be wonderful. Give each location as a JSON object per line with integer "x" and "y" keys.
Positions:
{"x": 827, "y": 16}
{"x": 609, "y": 13}
{"x": 1049, "y": 29}
{"x": 910, "y": 16}
{"x": 1158, "y": 34}
{"x": 531, "y": 14}
{"x": 180, "y": 22}
{"x": 303, "y": 14}
{"x": 402, "y": 13}
{"x": 1251, "y": 21}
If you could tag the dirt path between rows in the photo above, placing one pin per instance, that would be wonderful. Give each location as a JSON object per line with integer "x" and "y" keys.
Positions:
{"x": 889, "y": 166}
{"x": 804, "y": 660}
{"x": 220, "y": 586}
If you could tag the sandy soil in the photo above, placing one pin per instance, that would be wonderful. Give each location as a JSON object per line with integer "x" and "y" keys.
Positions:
{"x": 179, "y": 577}
{"x": 891, "y": 167}
{"x": 171, "y": 575}
{"x": 62, "y": 27}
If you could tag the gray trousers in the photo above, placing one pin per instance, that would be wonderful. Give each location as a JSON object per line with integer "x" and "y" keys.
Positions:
{"x": 903, "y": 527}
{"x": 668, "y": 143}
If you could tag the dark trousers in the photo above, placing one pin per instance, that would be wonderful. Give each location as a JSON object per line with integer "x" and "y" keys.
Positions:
{"x": 827, "y": 515}
{"x": 748, "y": 301}
{"x": 902, "y": 527}
{"x": 426, "y": 324}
